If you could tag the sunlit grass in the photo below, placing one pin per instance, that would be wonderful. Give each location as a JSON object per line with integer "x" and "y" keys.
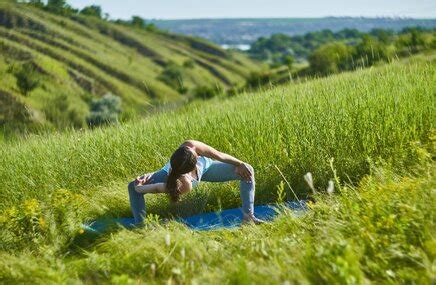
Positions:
{"x": 372, "y": 128}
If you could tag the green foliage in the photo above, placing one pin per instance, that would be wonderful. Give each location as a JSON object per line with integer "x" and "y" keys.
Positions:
{"x": 37, "y": 224}
{"x": 62, "y": 114}
{"x": 257, "y": 79}
{"x": 330, "y": 58}
{"x": 190, "y": 63}
{"x": 370, "y": 51}
{"x": 172, "y": 75}
{"x": 345, "y": 50}
{"x": 104, "y": 111}
{"x": 384, "y": 36}
{"x": 413, "y": 40}
{"x": 207, "y": 92}
{"x": 59, "y": 7}
{"x": 92, "y": 10}
{"x": 27, "y": 77}
{"x": 36, "y": 3}
{"x": 278, "y": 47}
{"x": 288, "y": 61}
{"x": 137, "y": 21}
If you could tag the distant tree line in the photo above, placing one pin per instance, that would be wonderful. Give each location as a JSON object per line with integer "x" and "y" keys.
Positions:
{"x": 61, "y": 7}
{"x": 329, "y": 52}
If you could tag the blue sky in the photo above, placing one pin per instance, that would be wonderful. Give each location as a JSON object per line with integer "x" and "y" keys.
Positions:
{"x": 187, "y": 9}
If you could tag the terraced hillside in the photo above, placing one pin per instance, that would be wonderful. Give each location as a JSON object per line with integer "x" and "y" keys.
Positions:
{"x": 71, "y": 60}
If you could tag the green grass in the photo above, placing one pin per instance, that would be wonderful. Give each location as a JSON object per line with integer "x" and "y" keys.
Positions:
{"x": 376, "y": 124}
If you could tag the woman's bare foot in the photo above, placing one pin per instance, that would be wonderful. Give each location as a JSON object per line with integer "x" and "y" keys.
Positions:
{"x": 250, "y": 218}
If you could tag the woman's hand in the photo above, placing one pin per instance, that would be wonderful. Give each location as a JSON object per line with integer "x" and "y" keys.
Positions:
{"x": 244, "y": 170}
{"x": 142, "y": 180}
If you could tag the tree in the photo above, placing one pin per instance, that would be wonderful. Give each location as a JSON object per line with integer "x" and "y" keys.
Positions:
{"x": 56, "y": 6}
{"x": 384, "y": 36}
{"x": 288, "y": 60}
{"x": 37, "y": 3}
{"x": 331, "y": 58}
{"x": 105, "y": 110}
{"x": 60, "y": 7}
{"x": 370, "y": 50}
{"x": 137, "y": 21}
{"x": 93, "y": 10}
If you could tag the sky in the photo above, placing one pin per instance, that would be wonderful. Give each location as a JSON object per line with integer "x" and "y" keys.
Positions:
{"x": 195, "y": 9}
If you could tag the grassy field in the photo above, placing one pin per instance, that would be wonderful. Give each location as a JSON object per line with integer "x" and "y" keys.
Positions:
{"x": 78, "y": 58}
{"x": 371, "y": 131}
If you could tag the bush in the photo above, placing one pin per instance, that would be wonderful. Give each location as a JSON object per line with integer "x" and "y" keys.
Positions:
{"x": 411, "y": 41}
{"x": 27, "y": 78}
{"x": 62, "y": 113}
{"x": 172, "y": 75}
{"x": 371, "y": 51}
{"x": 105, "y": 110}
{"x": 207, "y": 92}
{"x": 257, "y": 79}
{"x": 35, "y": 224}
{"x": 331, "y": 58}
{"x": 60, "y": 7}
{"x": 190, "y": 63}
{"x": 93, "y": 10}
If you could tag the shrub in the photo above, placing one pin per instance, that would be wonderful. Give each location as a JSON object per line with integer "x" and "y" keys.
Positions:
{"x": 62, "y": 113}
{"x": 257, "y": 79}
{"x": 27, "y": 78}
{"x": 93, "y": 10}
{"x": 35, "y": 224}
{"x": 172, "y": 75}
{"x": 190, "y": 63}
{"x": 370, "y": 51}
{"x": 104, "y": 110}
{"x": 330, "y": 58}
{"x": 207, "y": 92}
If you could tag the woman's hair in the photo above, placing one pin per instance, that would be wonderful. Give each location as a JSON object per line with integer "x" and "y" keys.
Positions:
{"x": 182, "y": 161}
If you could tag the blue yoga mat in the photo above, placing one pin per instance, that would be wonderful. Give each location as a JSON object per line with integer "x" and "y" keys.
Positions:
{"x": 207, "y": 221}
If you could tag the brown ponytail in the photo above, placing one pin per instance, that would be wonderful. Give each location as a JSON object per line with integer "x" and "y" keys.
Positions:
{"x": 182, "y": 161}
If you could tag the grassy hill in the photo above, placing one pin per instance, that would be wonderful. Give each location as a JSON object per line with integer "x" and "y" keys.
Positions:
{"x": 376, "y": 124}
{"x": 74, "y": 59}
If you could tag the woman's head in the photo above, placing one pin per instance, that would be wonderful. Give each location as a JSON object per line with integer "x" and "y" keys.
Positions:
{"x": 183, "y": 160}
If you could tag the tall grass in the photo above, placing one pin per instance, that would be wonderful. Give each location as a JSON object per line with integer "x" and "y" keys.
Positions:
{"x": 353, "y": 118}
{"x": 381, "y": 229}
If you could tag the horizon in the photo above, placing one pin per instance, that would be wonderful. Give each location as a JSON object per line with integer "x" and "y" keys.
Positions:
{"x": 262, "y": 9}
{"x": 290, "y": 18}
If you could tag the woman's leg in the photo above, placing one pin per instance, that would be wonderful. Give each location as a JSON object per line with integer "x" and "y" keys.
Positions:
{"x": 221, "y": 171}
{"x": 137, "y": 201}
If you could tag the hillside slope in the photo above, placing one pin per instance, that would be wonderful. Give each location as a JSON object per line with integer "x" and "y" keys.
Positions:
{"x": 78, "y": 58}
{"x": 352, "y": 117}
{"x": 377, "y": 227}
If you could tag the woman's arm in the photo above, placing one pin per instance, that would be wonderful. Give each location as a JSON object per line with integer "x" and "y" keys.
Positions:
{"x": 206, "y": 150}
{"x": 156, "y": 188}
{"x": 243, "y": 169}
{"x": 151, "y": 188}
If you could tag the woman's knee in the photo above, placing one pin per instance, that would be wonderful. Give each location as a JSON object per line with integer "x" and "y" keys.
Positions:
{"x": 131, "y": 186}
{"x": 251, "y": 168}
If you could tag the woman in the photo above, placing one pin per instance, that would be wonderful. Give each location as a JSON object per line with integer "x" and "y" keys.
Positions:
{"x": 190, "y": 163}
